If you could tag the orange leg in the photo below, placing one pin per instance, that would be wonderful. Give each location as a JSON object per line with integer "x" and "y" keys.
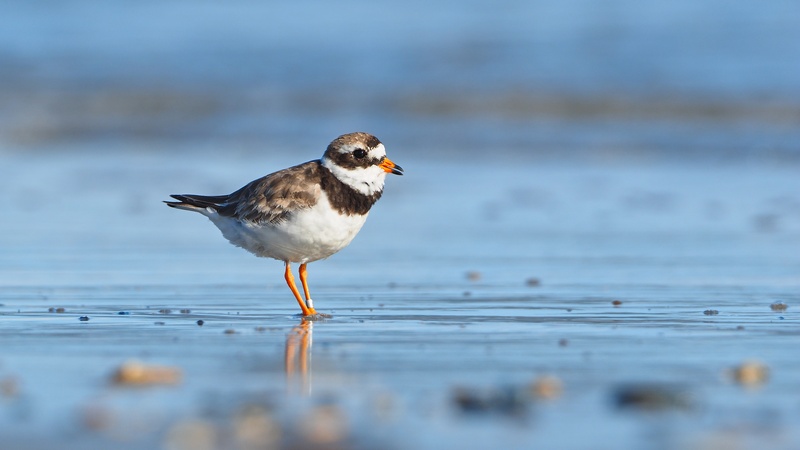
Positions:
{"x": 293, "y": 287}
{"x": 303, "y": 277}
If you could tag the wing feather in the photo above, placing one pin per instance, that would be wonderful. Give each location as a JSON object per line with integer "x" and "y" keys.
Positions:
{"x": 271, "y": 199}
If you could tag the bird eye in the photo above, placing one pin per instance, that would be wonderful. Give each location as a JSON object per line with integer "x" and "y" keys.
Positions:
{"x": 359, "y": 153}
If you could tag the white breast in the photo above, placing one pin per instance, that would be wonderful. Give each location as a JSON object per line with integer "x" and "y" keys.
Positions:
{"x": 308, "y": 235}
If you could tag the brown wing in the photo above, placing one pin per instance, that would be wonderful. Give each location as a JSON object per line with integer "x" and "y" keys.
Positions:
{"x": 272, "y": 198}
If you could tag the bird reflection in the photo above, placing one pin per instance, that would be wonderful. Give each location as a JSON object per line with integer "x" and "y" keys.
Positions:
{"x": 297, "y": 359}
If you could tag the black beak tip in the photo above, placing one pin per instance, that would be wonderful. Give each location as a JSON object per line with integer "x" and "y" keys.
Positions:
{"x": 397, "y": 170}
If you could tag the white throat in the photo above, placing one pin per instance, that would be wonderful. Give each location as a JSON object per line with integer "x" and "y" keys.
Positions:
{"x": 365, "y": 180}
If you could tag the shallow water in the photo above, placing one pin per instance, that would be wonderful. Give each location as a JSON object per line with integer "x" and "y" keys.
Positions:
{"x": 413, "y": 340}
{"x": 391, "y": 365}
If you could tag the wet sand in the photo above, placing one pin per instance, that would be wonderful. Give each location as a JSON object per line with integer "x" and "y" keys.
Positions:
{"x": 409, "y": 367}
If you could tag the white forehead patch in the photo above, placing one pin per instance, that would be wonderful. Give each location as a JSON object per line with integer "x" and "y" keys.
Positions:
{"x": 378, "y": 152}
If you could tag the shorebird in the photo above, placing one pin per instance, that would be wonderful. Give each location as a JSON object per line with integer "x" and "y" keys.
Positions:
{"x": 303, "y": 213}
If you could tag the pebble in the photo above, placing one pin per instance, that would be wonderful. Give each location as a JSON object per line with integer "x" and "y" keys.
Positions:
{"x": 750, "y": 373}
{"x": 326, "y": 425}
{"x": 547, "y": 387}
{"x": 137, "y": 373}
{"x": 254, "y": 428}
{"x": 504, "y": 401}
{"x": 9, "y": 387}
{"x": 192, "y": 435}
{"x": 97, "y": 417}
{"x": 651, "y": 397}
{"x": 778, "y": 306}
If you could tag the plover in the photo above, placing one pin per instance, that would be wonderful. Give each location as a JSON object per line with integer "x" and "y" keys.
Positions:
{"x": 304, "y": 213}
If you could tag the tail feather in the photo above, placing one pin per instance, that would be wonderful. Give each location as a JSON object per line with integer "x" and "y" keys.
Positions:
{"x": 199, "y": 203}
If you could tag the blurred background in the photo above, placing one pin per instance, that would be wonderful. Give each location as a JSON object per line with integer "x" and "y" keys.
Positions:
{"x": 682, "y": 81}
{"x": 542, "y": 117}
{"x": 559, "y": 156}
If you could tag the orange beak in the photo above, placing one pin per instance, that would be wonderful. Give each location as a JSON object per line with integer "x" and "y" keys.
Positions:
{"x": 389, "y": 167}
